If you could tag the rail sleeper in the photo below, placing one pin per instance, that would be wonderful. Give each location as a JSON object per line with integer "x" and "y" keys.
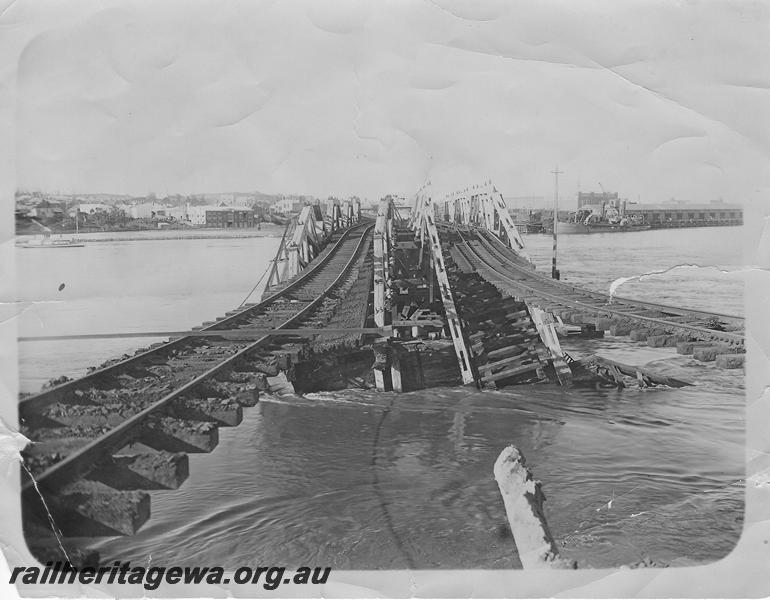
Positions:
{"x": 137, "y": 467}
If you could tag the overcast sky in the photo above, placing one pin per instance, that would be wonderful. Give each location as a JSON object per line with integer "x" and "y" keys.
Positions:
{"x": 652, "y": 99}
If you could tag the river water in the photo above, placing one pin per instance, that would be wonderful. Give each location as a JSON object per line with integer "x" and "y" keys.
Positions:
{"x": 378, "y": 480}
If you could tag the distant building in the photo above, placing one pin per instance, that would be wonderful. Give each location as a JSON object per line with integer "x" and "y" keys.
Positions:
{"x": 144, "y": 210}
{"x": 45, "y": 210}
{"x": 289, "y": 204}
{"x": 221, "y": 216}
{"x": 157, "y": 210}
{"x": 682, "y": 213}
{"x": 597, "y": 199}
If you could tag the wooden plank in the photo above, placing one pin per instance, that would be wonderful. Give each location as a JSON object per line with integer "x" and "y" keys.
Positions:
{"x": 505, "y": 340}
{"x": 509, "y": 361}
{"x": 497, "y": 313}
{"x": 511, "y": 372}
{"x": 507, "y": 351}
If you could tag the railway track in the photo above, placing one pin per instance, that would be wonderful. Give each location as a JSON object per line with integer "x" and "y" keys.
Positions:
{"x": 101, "y": 441}
{"x": 500, "y": 266}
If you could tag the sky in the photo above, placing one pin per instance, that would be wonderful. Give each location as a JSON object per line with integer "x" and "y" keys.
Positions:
{"x": 648, "y": 98}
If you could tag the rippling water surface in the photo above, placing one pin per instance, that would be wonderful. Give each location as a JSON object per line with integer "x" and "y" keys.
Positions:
{"x": 367, "y": 480}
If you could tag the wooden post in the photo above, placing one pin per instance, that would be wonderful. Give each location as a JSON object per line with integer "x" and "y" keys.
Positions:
{"x": 431, "y": 293}
{"x": 523, "y": 499}
{"x": 379, "y": 380}
{"x": 554, "y": 270}
{"x": 382, "y": 352}
{"x": 379, "y": 278}
{"x": 395, "y": 370}
{"x": 381, "y": 256}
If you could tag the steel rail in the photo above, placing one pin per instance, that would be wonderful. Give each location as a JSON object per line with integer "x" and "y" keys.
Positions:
{"x": 530, "y": 272}
{"x": 83, "y": 460}
{"x": 50, "y": 396}
{"x": 729, "y": 337}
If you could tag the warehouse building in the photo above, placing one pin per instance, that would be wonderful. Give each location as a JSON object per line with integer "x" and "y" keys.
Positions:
{"x": 681, "y": 214}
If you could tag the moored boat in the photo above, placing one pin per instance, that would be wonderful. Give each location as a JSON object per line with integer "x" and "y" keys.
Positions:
{"x": 599, "y": 227}
{"x": 601, "y": 219}
{"x": 47, "y": 242}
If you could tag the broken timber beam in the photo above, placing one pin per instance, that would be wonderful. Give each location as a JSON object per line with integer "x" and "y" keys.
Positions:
{"x": 644, "y": 376}
{"x": 523, "y": 499}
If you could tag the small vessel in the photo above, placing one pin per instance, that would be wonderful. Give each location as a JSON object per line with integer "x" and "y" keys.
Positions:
{"x": 47, "y": 242}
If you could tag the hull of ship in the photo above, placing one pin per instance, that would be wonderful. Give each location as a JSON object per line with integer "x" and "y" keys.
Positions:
{"x": 569, "y": 228}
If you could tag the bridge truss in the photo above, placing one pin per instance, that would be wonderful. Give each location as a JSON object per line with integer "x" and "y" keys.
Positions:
{"x": 307, "y": 234}
{"x": 477, "y": 207}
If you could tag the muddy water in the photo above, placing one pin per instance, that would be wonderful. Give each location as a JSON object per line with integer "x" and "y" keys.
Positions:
{"x": 367, "y": 480}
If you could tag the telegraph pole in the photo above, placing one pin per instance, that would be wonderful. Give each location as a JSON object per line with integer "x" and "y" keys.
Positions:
{"x": 554, "y": 270}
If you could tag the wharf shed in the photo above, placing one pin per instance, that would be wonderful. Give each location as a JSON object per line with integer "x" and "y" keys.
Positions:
{"x": 687, "y": 215}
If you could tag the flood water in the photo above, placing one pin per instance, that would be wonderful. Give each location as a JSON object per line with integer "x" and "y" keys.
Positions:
{"x": 379, "y": 480}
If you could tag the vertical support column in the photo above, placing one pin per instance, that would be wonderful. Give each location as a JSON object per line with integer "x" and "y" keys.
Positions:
{"x": 347, "y": 213}
{"x": 381, "y": 262}
{"x": 382, "y": 351}
{"x": 554, "y": 270}
{"x": 330, "y": 217}
{"x": 295, "y": 263}
{"x": 395, "y": 370}
{"x": 379, "y": 279}
{"x": 431, "y": 293}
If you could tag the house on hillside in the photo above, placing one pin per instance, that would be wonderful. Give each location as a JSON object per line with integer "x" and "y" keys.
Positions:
{"x": 46, "y": 210}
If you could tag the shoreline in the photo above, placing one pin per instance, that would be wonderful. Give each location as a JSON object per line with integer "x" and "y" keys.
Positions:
{"x": 149, "y": 234}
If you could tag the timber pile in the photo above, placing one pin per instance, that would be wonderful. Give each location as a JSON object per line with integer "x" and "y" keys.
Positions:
{"x": 426, "y": 364}
{"x": 505, "y": 343}
{"x": 332, "y": 371}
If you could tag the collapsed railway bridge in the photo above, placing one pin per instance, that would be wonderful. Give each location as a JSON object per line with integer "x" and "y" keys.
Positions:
{"x": 404, "y": 300}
